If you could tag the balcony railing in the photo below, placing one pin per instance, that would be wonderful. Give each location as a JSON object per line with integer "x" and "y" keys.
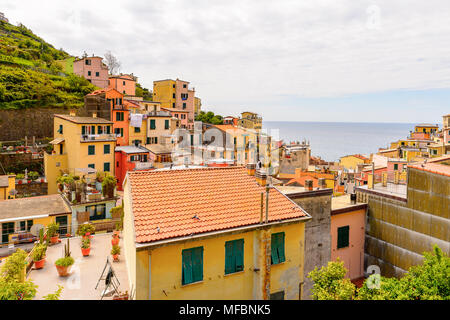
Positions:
{"x": 143, "y": 165}
{"x": 99, "y": 137}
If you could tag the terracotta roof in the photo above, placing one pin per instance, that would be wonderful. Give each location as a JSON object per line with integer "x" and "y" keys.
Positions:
{"x": 301, "y": 181}
{"x": 93, "y": 93}
{"x": 176, "y": 203}
{"x": 33, "y": 206}
{"x": 437, "y": 168}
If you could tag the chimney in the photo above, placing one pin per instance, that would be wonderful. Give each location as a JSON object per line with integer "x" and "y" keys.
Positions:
{"x": 309, "y": 185}
{"x": 322, "y": 183}
{"x": 251, "y": 167}
{"x": 261, "y": 177}
{"x": 94, "y": 115}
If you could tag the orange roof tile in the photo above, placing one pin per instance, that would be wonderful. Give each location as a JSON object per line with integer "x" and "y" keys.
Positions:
{"x": 176, "y": 203}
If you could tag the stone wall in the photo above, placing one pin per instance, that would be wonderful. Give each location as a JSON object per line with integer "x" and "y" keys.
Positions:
{"x": 317, "y": 232}
{"x": 38, "y": 122}
{"x": 31, "y": 189}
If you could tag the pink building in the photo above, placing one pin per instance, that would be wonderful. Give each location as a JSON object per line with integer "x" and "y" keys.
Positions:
{"x": 185, "y": 99}
{"x": 348, "y": 233}
{"x": 93, "y": 69}
{"x": 124, "y": 83}
{"x": 182, "y": 115}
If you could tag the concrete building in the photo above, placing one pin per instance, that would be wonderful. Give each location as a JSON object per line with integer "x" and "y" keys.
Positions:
{"x": 92, "y": 69}
{"x": 403, "y": 221}
{"x": 250, "y": 120}
{"x": 348, "y": 219}
{"x": 294, "y": 156}
{"x": 176, "y": 247}
{"x": 351, "y": 162}
{"x": 129, "y": 158}
{"x": 317, "y": 202}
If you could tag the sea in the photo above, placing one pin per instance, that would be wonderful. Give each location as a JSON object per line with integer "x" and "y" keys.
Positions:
{"x": 332, "y": 140}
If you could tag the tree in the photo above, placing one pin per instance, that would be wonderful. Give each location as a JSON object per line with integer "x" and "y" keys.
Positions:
{"x": 112, "y": 63}
{"x": 209, "y": 117}
{"x": 330, "y": 284}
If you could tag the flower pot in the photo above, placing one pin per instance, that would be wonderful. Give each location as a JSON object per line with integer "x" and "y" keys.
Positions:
{"x": 87, "y": 234}
{"x": 115, "y": 241}
{"x": 116, "y": 233}
{"x": 86, "y": 252}
{"x": 63, "y": 271}
{"x": 19, "y": 182}
{"x": 115, "y": 257}
{"x": 42, "y": 180}
{"x": 39, "y": 264}
{"x": 54, "y": 239}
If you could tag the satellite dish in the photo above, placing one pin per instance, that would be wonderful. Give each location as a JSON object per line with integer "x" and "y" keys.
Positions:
{"x": 34, "y": 230}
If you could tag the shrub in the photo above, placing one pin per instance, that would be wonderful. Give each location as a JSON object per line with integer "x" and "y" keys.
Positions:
{"x": 85, "y": 243}
{"x": 115, "y": 249}
{"x": 52, "y": 229}
{"x": 84, "y": 228}
{"x": 39, "y": 252}
{"x": 65, "y": 262}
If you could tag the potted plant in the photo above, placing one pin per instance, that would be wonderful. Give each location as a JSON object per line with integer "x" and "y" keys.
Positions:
{"x": 115, "y": 239}
{"x": 52, "y": 232}
{"x": 108, "y": 185}
{"x": 115, "y": 251}
{"x": 85, "y": 247}
{"x": 86, "y": 229}
{"x": 63, "y": 264}
{"x": 38, "y": 255}
{"x": 116, "y": 231}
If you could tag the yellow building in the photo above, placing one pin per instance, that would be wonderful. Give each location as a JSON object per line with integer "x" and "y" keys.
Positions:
{"x": 352, "y": 161}
{"x": 7, "y": 184}
{"x": 426, "y": 128}
{"x": 250, "y": 120}
{"x": 79, "y": 143}
{"x": 17, "y": 216}
{"x": 177, "y": 247}
{"x": 197, "y": 105}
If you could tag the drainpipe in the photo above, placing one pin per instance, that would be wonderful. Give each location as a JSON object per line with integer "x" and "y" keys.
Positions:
{"x": 267, "y": 203}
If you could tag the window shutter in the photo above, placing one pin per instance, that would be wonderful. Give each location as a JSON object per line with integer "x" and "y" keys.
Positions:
{"x": 197, "y": 264}
{"x": 187, "y": 266}
{"x": 83, "y": 130}
{"x": 229, "y": 261}
{"x": 281, "y": 247}
{"x": 274, "y": 245}
{"x": 93, "y": 130}
{"x": 239, "y": 254}
{"x": 343, "y": 237}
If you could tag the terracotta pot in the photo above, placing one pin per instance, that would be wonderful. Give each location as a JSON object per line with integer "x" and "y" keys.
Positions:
{"x": 54, "y": 239}
{"x": 116, "y": 233}
{"x": 115, "y": 241}
{"x": 63, "y": 271}
{"x": 86, "y": 252}
{"x": 19, "y": 182}
{"x": 116, "y": 257}
{"x": 39, "y": 264}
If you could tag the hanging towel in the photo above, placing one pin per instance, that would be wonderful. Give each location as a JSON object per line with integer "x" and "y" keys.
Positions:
{"x": 136, "y": 120}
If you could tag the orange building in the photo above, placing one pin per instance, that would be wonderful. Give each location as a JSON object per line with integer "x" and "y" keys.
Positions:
{"x": 347, "y": 234}
{"x": 124, "y": 83}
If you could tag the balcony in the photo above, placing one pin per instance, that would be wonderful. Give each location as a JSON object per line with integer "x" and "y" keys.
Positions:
{"x": 99, "y": 137}
{"x": 143, "y": 165}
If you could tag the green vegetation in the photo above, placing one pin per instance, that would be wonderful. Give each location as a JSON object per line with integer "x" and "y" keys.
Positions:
{"x": 85, "y": 228}
{"x": 428, "y": 281}
{"x": 54, "y": 296}
{"x": 52, "y": 229}
{"x": 12, "y": 279}
{"x": 209, "y": 117}
{"x": 30, "y": 75}
{"x": 39, "y": 252}
{"x": 143, "y": 92}
{"x": 115, "y": 249}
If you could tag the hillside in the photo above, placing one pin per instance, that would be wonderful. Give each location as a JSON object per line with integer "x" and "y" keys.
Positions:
{"x": 30, "y": 76}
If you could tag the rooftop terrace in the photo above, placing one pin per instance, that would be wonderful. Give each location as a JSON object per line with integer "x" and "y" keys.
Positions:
{"x": 84, "y": 274}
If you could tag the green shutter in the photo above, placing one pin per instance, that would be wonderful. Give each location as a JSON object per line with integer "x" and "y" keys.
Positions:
{"x": 83, "y": 130}
{"x": 106, "y": 149}
{"x": 274, "y": 251}
{"x": 239, "y": 254}
{"x": 187, "y": 266}
{"x": 166, "y": 124}
{"x": 197, "y": 264}
{"x": 92, "y": 129}
{"x": 343, "y": 237}
{"x": 152, "y": 124}
{"x": 106, "y": 167}
{"x": 229, "y": 259}
{"x": 108, "y": 129}
{"x": 281, "y": 256}
{"x": 91, "y": 150}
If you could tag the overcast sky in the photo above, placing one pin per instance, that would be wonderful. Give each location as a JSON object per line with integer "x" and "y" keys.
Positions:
{"x": 321, "y": 60}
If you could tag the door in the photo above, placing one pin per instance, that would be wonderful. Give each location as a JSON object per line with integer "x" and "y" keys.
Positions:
{"x": 63, "y": 227}
{"x": 7, "y": 229}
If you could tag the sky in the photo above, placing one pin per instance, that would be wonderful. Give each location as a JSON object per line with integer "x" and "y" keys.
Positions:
{"x": 288, "y": 60}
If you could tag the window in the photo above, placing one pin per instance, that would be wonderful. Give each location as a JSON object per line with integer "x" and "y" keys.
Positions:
{"x": 166, "y": 124}
{"x": 106, "y": 149}
{"x": 106, "y": 167}
{"x": 277, "y": 244}
{"x": 192, "y": 265}
{"x": 123, "y": 82}
{"x": 173, "y": 105}
{"x": 89, "y": 73}
{"x": 97, "y": 74}
{"x": 137, "y": 129}
{"x": 152, "y": 124}
{"x": 29, "y": 225}
{"x": 117, "y": 164}
{"x": 100, "y": 129}
{"x": 118, "y": 132}
{"x": 91, "y": 150}
{"x": 173, "y": 86}
{"x": 184, "y": 85}
{"x": 83, "y": 130}
{"x": 92, "y": 165}
{"x": 343, "y": 237}
{"x": 119, "y": 116}
{"x": 395, "y": 166}
{"x": 234, "y": 256}
{"x": 277, "y": 295}
{"x": 88, "y": 62}
{"x": 173, "y": 95}
{"x": 92, "y": 129}
{"x": 192, "y": 139}
{"x": 23, "y": 226}
{"x": 60, "y": 130}
{"x": 96, "y": 212}
{"x": 184, "y": 96}
{"x": 184, "y": 105}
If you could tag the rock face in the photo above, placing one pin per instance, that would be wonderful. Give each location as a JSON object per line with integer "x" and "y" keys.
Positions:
{"x": 38, "y": 122}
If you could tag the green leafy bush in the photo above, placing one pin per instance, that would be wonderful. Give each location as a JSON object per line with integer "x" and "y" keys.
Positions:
{"x": 65, "y": 262}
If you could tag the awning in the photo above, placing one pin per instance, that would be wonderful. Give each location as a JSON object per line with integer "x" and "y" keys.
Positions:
{"x": 57, "y": 141}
